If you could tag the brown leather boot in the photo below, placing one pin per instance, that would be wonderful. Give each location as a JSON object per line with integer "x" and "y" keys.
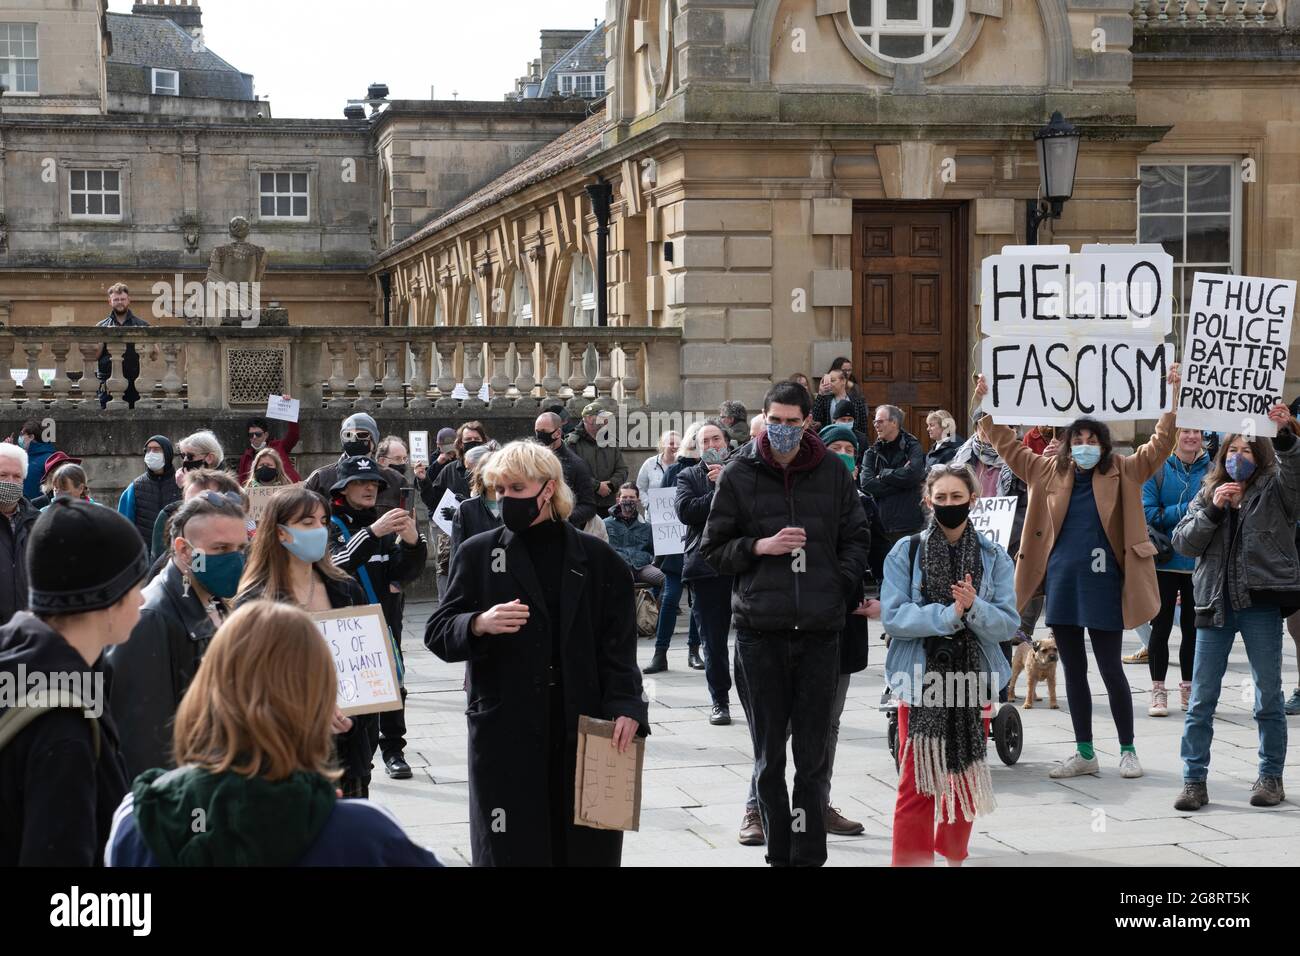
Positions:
{"x": 840, "y": 825}
{"x": 751, "y": 829}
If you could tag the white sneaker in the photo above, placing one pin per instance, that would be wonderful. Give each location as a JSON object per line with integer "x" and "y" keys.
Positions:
{"x": 1159, "y": 701}
{"x": 1076, "y": 766}
{"x": 1129, "y": 766}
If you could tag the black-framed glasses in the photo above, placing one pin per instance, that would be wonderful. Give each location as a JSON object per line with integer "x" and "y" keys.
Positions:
{"x": 222, "y": 497}
{"x": 256, "y": 434}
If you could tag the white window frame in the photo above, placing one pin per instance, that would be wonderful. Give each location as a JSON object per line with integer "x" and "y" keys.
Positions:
{"x": 936, "y": 39}
{"x": 7, "y": 77}
{"x": 474, "y": 308}
{"x": 1233, "y": 163}
{"x": 521, "y": 301}
{"x": 85, "y": 172}
{"x": 569, "y": 84}
{"x": 582, "y": 294}
{"x": 277, "y": 194}
{"x": 153, "y": 83}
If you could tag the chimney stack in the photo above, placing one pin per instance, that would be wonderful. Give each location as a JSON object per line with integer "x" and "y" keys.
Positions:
{"x": 185, "y": 13}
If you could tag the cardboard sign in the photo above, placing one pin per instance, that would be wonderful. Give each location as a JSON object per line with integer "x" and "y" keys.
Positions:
{"x": 419, "y": 447}
{"x": 994, "y": 518}
{"x": 277, "y": 407}
{"x": 668, "y": 533}
{"x": 607, "y": 785}
{"x": 363, "y": 659}
{"x": 259, "y": 496}
{"x": 1234, "y": 357}
{"x": 1040, "y": 380}
{"x": 448, "y": 501}
{"x": 1114, "y": 293}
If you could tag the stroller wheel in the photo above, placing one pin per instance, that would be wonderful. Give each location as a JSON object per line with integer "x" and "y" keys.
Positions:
{"x": 1008, "y": 734}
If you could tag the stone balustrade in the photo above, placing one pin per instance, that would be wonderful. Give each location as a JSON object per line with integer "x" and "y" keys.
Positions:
{"x": 1212, "y": 14}
{"x": 440, "y": 369}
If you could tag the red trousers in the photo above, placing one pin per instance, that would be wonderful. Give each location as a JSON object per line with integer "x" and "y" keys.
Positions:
{"x": 917, "y": 835}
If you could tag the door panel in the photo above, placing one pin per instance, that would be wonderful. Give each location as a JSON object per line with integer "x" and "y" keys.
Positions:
{"x": 909, "y": 308}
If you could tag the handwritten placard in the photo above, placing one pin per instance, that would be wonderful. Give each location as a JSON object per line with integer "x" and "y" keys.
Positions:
{"x": 260, "y": 495}
{"x": 281, "y": 408}
{"x": 607, "y": 787}
{"x": 1235, "y": 356}
{"x": 994, "y": 517}
{"x": 363, "y": 659}
{"x": 419, "y": 450}
{"x": 668, "y": 532}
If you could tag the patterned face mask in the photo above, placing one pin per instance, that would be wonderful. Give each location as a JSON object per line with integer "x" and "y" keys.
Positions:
{"x": 10, "y": 492}
{"x": 784, "y": 438}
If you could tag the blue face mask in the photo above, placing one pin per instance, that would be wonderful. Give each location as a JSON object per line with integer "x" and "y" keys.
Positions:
{"x": 784, "y": 438}
{"x": 1239, "y": 467}
{"x": 1086, "y": 456}
{"x": 306, "y": 544}
{"x": 492, "y": 505}
{"x": 218, "y": 573}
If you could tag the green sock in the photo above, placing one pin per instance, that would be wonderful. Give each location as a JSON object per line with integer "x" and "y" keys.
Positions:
{"x": 1127, "y": 749}
{"x": 1085, "y": 750}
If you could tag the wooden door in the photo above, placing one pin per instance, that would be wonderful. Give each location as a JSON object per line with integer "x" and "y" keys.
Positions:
{"x": 909, "y": 309}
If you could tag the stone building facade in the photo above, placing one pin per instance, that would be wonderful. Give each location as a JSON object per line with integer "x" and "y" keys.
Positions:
{"x": 800, "y": 179}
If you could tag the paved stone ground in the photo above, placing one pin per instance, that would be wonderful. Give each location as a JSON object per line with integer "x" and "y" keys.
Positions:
{"x": 696, "y": 778}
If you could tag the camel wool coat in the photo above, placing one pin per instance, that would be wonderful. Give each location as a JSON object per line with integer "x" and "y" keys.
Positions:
{"x": 1118, "y": 492}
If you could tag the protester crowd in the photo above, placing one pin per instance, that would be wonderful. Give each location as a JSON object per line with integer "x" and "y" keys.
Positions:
{"x": 192, "y": 600}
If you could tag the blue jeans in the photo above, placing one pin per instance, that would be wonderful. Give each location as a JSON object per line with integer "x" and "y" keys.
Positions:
{"x": 1261, "y": 632}
{"x": 670, "y": 600}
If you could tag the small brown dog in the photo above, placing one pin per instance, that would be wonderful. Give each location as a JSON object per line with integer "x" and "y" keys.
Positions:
{"x": 1038, "y": 661}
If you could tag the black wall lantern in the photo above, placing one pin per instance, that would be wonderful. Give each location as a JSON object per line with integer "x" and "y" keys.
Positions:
{"x": 1058, "y": 156}
{"x": 601, "y": 195}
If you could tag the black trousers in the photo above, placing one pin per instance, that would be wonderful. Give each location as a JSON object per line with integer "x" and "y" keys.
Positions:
{"x": 1172, "y": 584}
{"x": 392, "y": 723}
{"x": 1074, "y": 658}
{"x": 711, "y": 608}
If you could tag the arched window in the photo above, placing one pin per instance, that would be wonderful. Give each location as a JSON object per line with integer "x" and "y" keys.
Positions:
{"x": 475, "y": 316}
{"x": 907, "y": 30}
{"x": 582, "y": 293}
{"x": 521, "y": 302}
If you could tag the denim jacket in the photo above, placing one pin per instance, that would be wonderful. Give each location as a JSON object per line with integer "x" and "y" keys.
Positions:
{"x": 993, "y": 618}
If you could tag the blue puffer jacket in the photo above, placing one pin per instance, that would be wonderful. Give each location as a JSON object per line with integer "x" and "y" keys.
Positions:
{"x": 1166, "y": 503}
{"x": 631, "y": 540}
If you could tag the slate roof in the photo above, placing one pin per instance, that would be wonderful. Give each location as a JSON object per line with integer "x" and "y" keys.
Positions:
{"x": 589, "y": 52}
{"x": 142, "y": 42}
{"x": 565, "y": 151}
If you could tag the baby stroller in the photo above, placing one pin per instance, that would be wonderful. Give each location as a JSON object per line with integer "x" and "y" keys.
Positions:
{"x": 1001, "y": 722}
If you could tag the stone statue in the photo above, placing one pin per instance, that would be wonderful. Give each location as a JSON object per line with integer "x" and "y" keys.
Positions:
{"x": 238, "y": 261}
{"x": 233, "y": 287}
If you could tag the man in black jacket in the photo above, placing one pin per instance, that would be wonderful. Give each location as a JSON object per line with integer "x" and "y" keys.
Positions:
{"x": 382, "y": 551}
{"x": 893, "y": 472}
{"x": 183, "y": 607}
{"x": 547, "y": 430}
{"x": 61, "y": 775}
{"x": 16, "y": 519}
{"x": 786, "y": 522}
{"x": 121, "y": 317}
{"x": 359, "y": 435}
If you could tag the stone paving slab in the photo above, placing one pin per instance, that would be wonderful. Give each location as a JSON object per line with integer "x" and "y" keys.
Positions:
{"x": 697, "y": 777}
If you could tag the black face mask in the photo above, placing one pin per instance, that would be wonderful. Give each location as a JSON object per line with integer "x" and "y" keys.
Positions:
{"x": 518, "y": 514}
{"x": 354, "y": 448}
{"x": 193, "y": 465}
{"x": 265, "y": 475}
{"x": 951, "y": 516}
{"x": 545, "y": 438}
{"x": 469, "y": 445}
{"x": 400, "y": 469}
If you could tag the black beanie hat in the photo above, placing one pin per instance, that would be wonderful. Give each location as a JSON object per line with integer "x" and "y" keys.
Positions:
{"x": 82, "y": 557}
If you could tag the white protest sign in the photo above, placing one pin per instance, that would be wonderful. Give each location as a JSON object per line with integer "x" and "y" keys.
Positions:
{"x": 1093, "y": 293}
{"x": 1038, "y": 380}
{"x": 363, "y": 659}
{"x": 994, "y": 517}
{"x": 669, "y": 534}
{"x": 1234, "y": 356}
{"x": 285, "y": 410}
{"x": 419, "y": 448}
{"x": 448, "y": 501}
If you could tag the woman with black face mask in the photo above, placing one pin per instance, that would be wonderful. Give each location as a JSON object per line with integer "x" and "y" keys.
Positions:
{"x": 544, "y": 615}
{"x": 267, "y": 471}
{"x": 947, "y": 602}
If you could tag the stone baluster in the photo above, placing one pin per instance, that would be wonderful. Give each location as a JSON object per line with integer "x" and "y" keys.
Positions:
{"x": 1140, "y": 12}
{"x": 1202, "y": 8}
{"x": 420, "y": 385}
{"x": 116, "y": 383}
{"x": 61, "y": 387}
{"x": 500, "y": 382}
{"x": 631, "y": 380}
{"x": 338, "y": 381}
{"x": 1218, "y": 17}
{"x": 524, "y": 381}
{"x": 577, "y": 375}
{"x": 33, "y": 385}
{"x": 171, "y": 379}
{"x": 392, "y": 383}
{"x": 1235, "y": 8}
{"x": 87, "y": 387}
{"x": 365, "y": 380}
{"x": 604, "y": 375}
{"x": 446, "y": 350}
{"x": 551, "y": 381}
{"x": 474, "y": 361}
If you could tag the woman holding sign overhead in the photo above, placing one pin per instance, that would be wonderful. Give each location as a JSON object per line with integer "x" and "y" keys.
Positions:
{"x": 544, "y": 615}
{"x": 1085, "y": 543}
{"x": 1240, "y": 528}
{"x": 291, "y": 564}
